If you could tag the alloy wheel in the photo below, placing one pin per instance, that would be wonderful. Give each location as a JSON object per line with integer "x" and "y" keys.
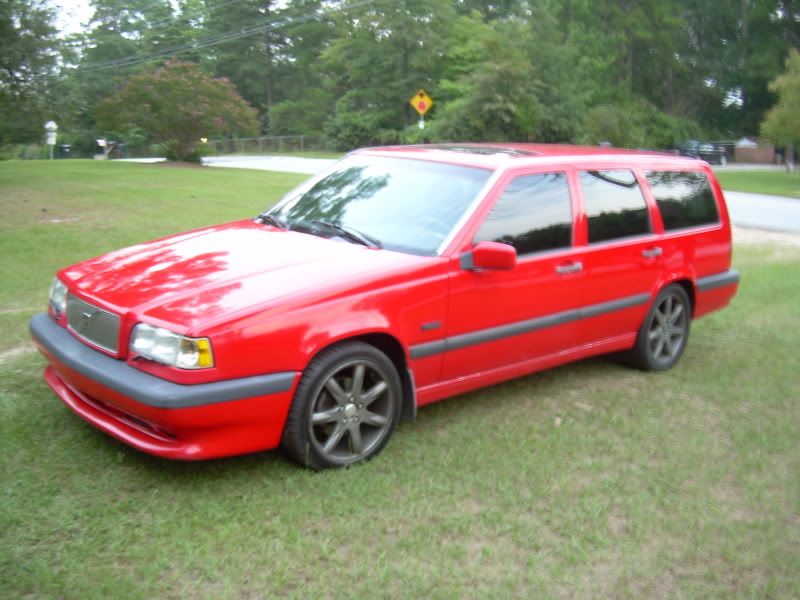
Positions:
{"x": 668, "y": 328}
{"x": 352, "y": 412}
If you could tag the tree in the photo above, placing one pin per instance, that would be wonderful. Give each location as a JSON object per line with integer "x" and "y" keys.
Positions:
{"x": 383, "y": 53}
{"x": 782, "y": 123}
{"x": 28, "y": 50}
{"x": 492, "y": 95}
{"x": 248, "y": 60}
{"x": 120, "y": 33}
{"x": 177, "y": 104}
{"x": 301, "y": 101}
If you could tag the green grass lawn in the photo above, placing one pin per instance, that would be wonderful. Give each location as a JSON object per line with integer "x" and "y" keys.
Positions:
{"x": 776, "y": 183}
{"x": 591, "y": 480}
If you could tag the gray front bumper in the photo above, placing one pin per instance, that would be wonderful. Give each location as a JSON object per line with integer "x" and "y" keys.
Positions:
{"x": 143, "y": 387}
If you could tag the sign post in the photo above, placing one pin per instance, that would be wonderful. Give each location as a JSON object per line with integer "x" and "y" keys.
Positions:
{"x": 421, "y": 103}
{"x": 51, "y": 128}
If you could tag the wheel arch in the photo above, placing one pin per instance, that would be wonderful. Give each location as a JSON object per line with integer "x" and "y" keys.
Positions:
{"x": 682, "y": 278}
{"x": 689, "y": 287}
{"x": 394, "y": 350}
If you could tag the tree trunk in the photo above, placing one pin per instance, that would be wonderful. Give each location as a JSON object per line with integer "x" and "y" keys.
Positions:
{"x": 789, "y": 15}
{"x": 404, "y": 78}
{"x": 268, "y": 46}
{"x": 789, "y": 158}
{"x": 745, "y": 34}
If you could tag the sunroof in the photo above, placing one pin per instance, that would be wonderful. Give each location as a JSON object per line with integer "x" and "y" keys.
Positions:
{"x": 483, "y": 150}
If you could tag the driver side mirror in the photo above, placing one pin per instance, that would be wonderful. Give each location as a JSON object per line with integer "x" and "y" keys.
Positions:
{"x": 491, "y": 256}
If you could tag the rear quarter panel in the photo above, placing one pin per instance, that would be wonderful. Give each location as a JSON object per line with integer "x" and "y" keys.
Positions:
{"x": 696, "y": 252}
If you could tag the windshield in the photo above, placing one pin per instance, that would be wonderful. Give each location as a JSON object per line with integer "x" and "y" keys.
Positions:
{"x": 401, "y": 204}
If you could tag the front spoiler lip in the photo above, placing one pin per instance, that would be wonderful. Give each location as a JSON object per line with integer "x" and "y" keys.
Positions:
{"x": 143, "y": 387}
{"x": 126, "y": 432}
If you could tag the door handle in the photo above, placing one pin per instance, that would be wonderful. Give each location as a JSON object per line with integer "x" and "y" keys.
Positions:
{"x": 652, "y": 252}
{"x": 573, "y": 267}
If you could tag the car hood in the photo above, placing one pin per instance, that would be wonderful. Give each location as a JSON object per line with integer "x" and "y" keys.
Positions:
{"x": 214, "y": 274}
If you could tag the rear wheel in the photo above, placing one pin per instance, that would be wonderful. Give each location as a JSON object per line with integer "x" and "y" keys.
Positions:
{"x": 345, "y": 409}
{"x": 665, "y": 331}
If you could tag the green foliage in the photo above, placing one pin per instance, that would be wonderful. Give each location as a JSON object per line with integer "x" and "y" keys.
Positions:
{"x": 635, "y": 125}
{"x": 304, "y": 114}
{"x": 177, "y": 104}
{"x": 172, "y": 151}
{"x": 383, "y": 54}
{"x": 249, "y": 62}
{"x": 118, "y": 31}
{"x": 782, "y": 122}
{"x": 500, "y": 70}
{"x": 495, "y": 97}
{"x": 82, "y": 143}
{"x": 23, "y": 151}
{"x": 28, "y": 50}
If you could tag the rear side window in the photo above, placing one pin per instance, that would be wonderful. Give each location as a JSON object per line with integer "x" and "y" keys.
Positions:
{"x": 615, "y": 205}
{"x": 685, "y": 198}
{"x": 533, "y": 214}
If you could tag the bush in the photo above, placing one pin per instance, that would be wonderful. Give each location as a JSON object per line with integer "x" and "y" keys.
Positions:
{"x": 636, "y": 125}
{"x": 170, "y": 152}
{"x": 301, "y": 116}
{"x": 24, "y": 152}
{"x": 84, "y": 143}
{"x": 176, "y": 105}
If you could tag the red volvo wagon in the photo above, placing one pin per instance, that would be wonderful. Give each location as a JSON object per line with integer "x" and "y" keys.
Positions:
{"x": 399, "y": 276}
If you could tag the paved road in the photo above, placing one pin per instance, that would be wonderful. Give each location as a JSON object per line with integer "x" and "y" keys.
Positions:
{"x": 748, "y": 167}
{"x": 747, "y": 210}
{"x": 766, "y": 212}
{"x": 287, "y": 164}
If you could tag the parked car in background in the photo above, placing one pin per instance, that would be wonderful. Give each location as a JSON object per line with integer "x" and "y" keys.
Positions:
{"x": 715, "y": 155}
{"x": 398, "y": 277}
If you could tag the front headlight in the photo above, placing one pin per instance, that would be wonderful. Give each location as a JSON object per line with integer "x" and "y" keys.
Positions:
{"x": 164, "y": 346}
{"x": 58, "y": 297}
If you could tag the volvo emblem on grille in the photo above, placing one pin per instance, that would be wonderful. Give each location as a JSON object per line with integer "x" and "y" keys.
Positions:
{"x": 85, "y": 324}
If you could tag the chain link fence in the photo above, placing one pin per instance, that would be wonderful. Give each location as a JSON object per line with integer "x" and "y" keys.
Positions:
{"x": 270, "y": 144}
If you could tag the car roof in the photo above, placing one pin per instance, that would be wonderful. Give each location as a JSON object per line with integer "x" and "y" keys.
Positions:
{"x": 503, "y": 155}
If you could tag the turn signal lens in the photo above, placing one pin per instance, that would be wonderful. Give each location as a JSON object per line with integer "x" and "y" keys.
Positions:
{"x": 169, "y": 348}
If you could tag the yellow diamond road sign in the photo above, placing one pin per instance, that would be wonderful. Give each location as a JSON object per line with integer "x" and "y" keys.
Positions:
{"x": 421, "y": 102}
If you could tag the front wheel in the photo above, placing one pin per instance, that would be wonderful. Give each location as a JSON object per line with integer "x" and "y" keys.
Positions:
{"x": 665, "y": 331}
{"x": 345, "y": 409}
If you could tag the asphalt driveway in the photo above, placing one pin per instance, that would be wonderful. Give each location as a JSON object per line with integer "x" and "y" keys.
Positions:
{"x": 286, "y": 164}
{"x": 763, "y": 211}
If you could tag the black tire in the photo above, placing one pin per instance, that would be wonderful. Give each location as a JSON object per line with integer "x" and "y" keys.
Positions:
{"x": 333, "y": 422}
{"x": 663, "y": 335}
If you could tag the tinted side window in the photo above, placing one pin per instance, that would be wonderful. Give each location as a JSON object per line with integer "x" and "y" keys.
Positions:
{"x": 533, "y": 214}
{"x": 684, "y": 198}
{"x": 614, "y": 205}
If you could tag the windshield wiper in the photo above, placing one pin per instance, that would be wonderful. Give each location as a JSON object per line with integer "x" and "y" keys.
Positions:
{"x": 270, "y": 220}
{"x": 351, "y": 234}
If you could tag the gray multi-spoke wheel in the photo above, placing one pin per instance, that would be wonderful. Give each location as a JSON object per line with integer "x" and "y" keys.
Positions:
{"x": 665, "y": 331}
{"x": 345, "y": 408}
